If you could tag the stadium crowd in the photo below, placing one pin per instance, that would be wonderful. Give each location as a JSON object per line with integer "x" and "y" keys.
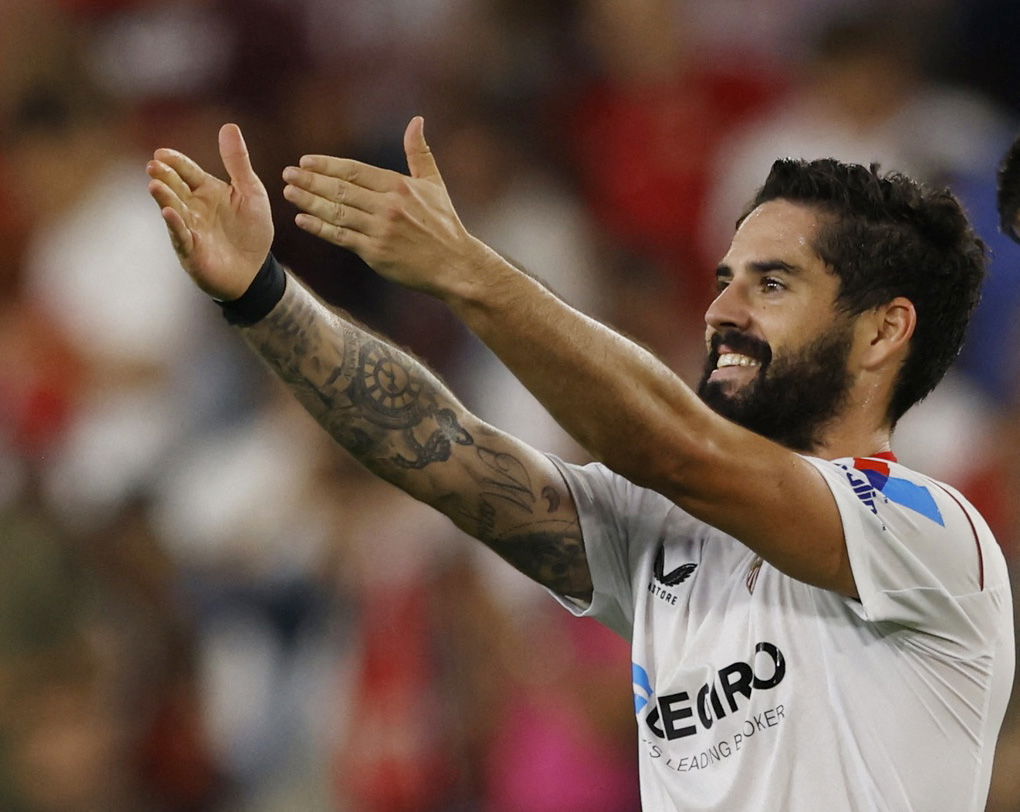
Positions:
{"x": 204, "y": 605}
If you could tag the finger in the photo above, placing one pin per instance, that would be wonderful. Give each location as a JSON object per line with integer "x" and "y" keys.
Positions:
{"x": 420, "y": 160}
{"x": 160, "y": 171}
{"x": 166, "y": 197}
{"x": 344, "y": 237}
{"x": 191, "y": 173}
{"x": 181, "y": 237}
{"x": 330, "y": 211}
{"x": 236, "y": 159}
{"x": 332, "y": 188}
{"x": 360, "y": 174}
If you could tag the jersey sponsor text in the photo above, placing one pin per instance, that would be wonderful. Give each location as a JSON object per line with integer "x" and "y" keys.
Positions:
{"x": 677, "y": 715}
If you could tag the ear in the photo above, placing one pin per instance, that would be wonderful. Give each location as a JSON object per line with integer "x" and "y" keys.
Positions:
{"x": 888, "y": 330}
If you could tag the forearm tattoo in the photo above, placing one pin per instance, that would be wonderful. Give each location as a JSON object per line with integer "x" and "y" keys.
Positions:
{"x": 550, "y": 550}
{"x": 376, "y": 401}
{"x": 398, "y": 419}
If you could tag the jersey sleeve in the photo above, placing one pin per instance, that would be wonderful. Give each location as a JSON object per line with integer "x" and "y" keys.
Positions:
{"x": 916, "y": 548}
{"x": 617, "y": 517}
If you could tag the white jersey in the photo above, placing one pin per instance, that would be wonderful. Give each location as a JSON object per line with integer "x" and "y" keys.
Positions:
{"x": 755, "y": 691}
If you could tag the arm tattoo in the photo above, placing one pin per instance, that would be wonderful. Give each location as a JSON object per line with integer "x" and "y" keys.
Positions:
{"x": 550, "y": 550}
{"x": 438, "y": 447}
{"x": 398, "y": 419}
{"x": 508, "y": 479}
{"x": 376, "y": 401}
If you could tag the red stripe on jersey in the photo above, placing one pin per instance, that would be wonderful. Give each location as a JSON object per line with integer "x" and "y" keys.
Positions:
{"x": 864, "y": 464}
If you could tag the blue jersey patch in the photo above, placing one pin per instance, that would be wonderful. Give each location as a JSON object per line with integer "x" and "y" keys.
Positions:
{"x": 643, "y": 691}
{"x": 917, "y": 498}
{"x": 901, "y": 491}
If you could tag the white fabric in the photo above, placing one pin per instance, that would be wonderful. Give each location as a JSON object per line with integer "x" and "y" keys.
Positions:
{"x": 757, "y": 692}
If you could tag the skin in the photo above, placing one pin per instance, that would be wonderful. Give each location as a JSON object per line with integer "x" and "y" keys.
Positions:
{"x": 771, "y": 285}
{"x": 379, "y": 403}
{"x": 640, "y": 418}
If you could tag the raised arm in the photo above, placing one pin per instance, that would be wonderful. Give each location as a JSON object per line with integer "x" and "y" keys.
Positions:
{"x": 622, "y": 404}
{"x": 378, "y": 402}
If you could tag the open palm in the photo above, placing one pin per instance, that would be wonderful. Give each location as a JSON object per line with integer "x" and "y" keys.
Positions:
{"x": 221, "y": 231}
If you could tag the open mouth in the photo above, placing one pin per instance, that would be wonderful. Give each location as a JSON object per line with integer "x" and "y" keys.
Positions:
{"x": 736, "y": 359}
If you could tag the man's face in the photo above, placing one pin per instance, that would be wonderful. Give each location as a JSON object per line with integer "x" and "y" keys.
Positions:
{"x": 777, "y": 347}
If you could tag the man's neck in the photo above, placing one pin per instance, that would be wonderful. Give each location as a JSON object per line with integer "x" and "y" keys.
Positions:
{"x": 844, "y": 443}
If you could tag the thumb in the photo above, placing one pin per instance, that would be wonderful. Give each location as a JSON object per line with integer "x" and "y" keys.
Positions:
{"x": 419, "y": 157}
{"x": 234, "y": 153}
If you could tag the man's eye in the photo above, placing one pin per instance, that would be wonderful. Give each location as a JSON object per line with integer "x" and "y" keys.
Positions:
{"x": 771, "y": 284}
{"x": 721, "y": 285}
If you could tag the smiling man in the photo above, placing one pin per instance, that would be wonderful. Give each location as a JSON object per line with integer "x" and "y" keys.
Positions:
{"x": 792, "y": 401}
{"x": 814, "y": 626}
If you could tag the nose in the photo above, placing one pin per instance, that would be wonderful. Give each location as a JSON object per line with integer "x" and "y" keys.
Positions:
{"x": 729, "y": 310}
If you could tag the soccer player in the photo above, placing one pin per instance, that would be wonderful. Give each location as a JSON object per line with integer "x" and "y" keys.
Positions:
{"x": 814, "y": 626}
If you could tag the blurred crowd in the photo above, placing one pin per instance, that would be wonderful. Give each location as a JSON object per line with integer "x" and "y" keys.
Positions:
{"x": 207, "y": 606}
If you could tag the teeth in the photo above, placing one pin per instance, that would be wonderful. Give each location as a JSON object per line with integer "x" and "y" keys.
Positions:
{"x": 733, "y": 359}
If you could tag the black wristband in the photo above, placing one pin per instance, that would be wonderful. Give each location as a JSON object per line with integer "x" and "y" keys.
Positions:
{"x": 265, "y": 290}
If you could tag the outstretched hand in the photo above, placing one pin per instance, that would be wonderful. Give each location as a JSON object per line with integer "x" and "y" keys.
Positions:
{"x": 221, "y": 231}
{"x": 404, "y": 227}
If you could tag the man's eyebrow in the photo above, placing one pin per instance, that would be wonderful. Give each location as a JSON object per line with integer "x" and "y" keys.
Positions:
{"x": 766, "y": 266}
{"x": 773, "y": 265}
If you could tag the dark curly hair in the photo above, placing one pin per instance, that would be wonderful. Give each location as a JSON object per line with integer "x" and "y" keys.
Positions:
{"x": 884, "y": 235}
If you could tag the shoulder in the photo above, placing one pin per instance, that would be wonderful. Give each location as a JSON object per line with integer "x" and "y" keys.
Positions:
{"x": 889, "y": 489}
{"x": 892, "y": 507}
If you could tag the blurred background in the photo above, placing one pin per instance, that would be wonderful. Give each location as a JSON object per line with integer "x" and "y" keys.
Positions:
{"x": 204, "y": 604}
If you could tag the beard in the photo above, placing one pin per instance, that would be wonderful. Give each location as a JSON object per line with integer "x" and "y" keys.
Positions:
{"x": 792, "y": 398}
